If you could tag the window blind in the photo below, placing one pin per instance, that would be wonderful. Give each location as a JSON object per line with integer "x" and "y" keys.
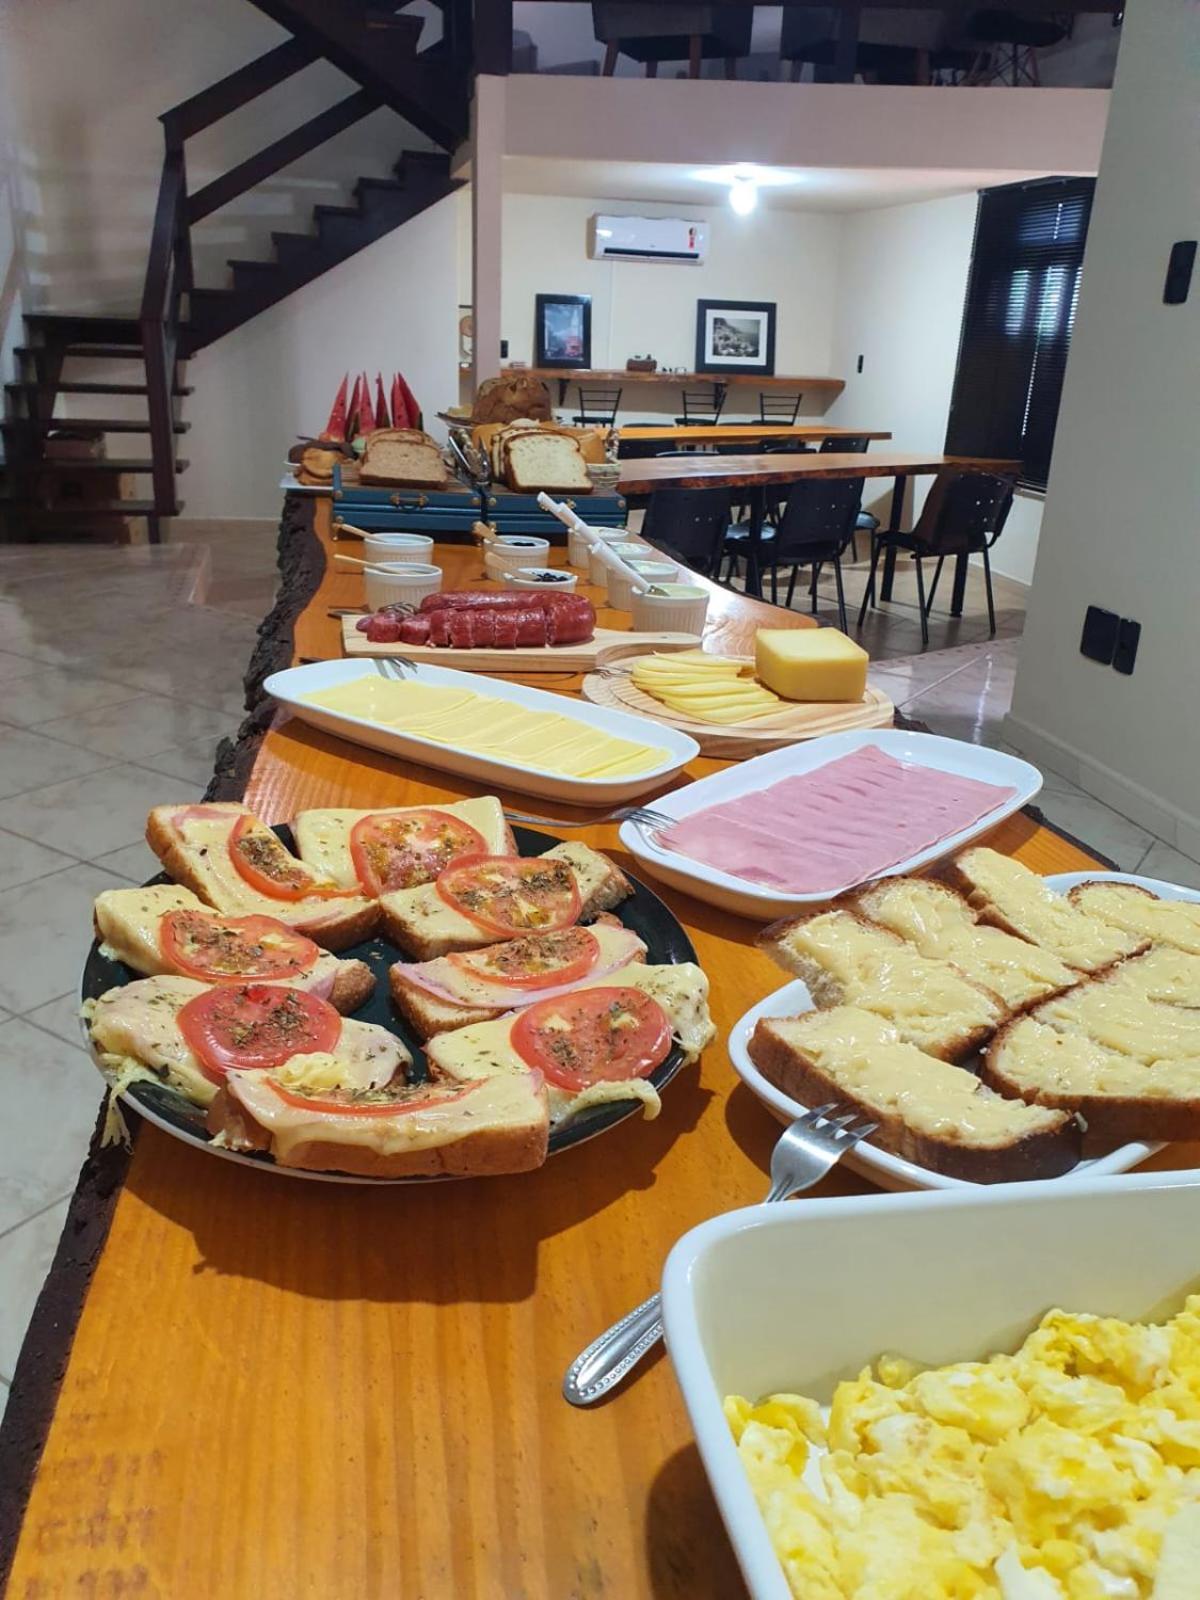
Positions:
{"x": 1020, "y": 309}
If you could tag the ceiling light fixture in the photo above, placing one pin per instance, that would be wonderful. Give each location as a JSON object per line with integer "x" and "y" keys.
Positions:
{"x": 743, "y": 195}
{"x": 744, "y": 180}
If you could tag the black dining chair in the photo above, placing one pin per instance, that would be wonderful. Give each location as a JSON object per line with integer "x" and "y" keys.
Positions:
{"x": 780, "y": 410}
{"x": 1007, "y": 43}
{"x": 814, "y": 528}
{"x": 597, "y": 406}
{"x": 964, "y": 515}
{"x": 689, "y": 524}
{"x": 702, "y": 407}
{"x": 739, "y": 531}
{"x": 855, "y": 445}
{"x": 654, "y": 31}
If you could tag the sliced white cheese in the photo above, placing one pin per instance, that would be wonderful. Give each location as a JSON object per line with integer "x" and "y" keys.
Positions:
{"x": 323, "y": 837}
{"x": 445, "y": 980}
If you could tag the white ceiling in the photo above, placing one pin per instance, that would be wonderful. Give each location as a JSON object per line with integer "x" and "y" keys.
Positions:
{"x": 813, "y": 188}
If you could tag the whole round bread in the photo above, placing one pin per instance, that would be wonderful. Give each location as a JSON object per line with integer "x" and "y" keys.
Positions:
{"x": 512, "y": 395}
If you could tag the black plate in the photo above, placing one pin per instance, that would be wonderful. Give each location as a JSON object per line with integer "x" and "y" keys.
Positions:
{"x": 643, "y": 913}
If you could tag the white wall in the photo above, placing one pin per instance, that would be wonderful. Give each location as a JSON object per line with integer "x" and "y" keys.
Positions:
{"x": 1123, "y": 506}
{"x": 902, "y": 280}
{"x": 389, "y": 306}
{"x": 14, "y": 279}
{"x": 788, "y": 257}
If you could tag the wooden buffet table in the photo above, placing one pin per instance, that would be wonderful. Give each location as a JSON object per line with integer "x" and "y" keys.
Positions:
{"x": 278, "y": 1389}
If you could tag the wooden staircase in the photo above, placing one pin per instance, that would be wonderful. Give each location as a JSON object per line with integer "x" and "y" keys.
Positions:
{"x": 378, "y": 46}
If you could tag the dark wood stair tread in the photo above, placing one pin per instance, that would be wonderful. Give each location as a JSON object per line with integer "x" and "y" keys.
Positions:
{"x": 85, "y": 388}
{"x": 79, "y": 328}
{"x": 81, "y": 513}
{"x": 94, "y": 424}
{"x": 68, "y": 466}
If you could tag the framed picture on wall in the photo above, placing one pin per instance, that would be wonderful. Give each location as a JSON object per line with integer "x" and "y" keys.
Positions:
{"x": 563, "y": 324}
{"x": 735, "y": 336}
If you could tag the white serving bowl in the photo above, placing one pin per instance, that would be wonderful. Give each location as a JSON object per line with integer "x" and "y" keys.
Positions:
{"x": 798, "y": 1297}
{"x": 626, "y": 549}
{"x": 655, "y": 570}
{"x": 396, "y": 583}
{"x": 682, "y": 609}
{"x": 532, "y": 578}
{"x": 397, "y": 547}
{"x": 511, "y": 551}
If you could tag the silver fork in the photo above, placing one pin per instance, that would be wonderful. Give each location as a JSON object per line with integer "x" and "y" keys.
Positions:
{"x": 395, "y": 667}
{"x": 807, "y": 1150}
{"x": 646, "y": 815}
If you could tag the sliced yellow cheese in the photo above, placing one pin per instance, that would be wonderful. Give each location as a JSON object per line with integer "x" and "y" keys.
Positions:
{"x": 708, "y": 688}
{"x": 811, "y": 663}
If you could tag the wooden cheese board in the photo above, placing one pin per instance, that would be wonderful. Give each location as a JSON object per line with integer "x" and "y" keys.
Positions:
{"x": 737, "y": 741}
{"x": 606, "y": 645}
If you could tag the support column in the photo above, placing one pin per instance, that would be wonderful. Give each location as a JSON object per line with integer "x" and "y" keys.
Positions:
{"x": 487, "y": 212}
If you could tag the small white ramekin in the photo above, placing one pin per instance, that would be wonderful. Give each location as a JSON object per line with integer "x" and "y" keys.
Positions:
{"x": 579, "y": 547}
{"x": 383, "y": 546}
{"x": 508, "y": 553}
{"x": 599, "y": 570}
{"x": 656, "y": 570}
{"x": 528, "y": 578}
{"x": 681, "y": 610}
{"x": 401, "y": 583}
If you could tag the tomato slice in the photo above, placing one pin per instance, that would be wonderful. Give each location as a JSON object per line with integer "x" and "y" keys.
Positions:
{"x": 342, "y": 1104}
{"x": 512, "y": 894}
{"x": 537, "y": 961}
{"x": 593, "y": 1036}
{"x": 400, "y": 852}
{"x": 256, "y": 1026}
{"x": 217, "y": 949}
{"x": 266, "y": 865}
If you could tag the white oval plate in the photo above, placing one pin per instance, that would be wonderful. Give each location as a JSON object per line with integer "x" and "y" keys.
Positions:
{"x": 747, "y": 899}
{"x": 882, "y": 1168}
{"x": 678, "y": 748}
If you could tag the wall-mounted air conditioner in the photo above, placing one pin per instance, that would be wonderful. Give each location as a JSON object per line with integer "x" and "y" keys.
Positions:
{"x": 647, "y": 239}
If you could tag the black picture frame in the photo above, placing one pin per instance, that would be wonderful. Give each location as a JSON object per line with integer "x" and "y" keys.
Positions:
{"x": 563, "y": 330}
{"x": 745, "y": 317}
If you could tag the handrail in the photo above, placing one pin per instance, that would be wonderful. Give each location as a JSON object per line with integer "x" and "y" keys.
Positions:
{"x": 238, "y": 89}
{"x": 168, "y": 275}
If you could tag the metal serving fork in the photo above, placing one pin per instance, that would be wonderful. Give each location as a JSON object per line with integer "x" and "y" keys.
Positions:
{"x": 807, "y": 1150}
{"x": 643, "y": 814}
{"x": 395, "y": 667}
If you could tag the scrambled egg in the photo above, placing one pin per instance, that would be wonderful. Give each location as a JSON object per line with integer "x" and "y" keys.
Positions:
{"x": 1068, "y": 1471}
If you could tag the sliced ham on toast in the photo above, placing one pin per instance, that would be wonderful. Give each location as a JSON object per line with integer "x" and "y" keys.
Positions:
{"x": 164, "y": 929}
{"x": 456, "y": 990}
{"x": 336, "y": 842}
{"x": 234, "y": 863}
{"x": 1140, "y": 913}
{"x": 1008, "y": 895}
{"x": 482, "y": 905}
{"x": 938, "y": 921}
{"x": 844, "y": 958}
{"x": 929, "y": 1112}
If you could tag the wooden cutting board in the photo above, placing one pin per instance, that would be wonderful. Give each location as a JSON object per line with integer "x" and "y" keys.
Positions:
{"x": 737, "y": 741}
{"x": 608, "y": 644}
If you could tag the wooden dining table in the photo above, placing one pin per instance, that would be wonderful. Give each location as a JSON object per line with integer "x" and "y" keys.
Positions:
{"x": 242, "y": 1386}
{"x": 709, "y": 433}
{"x": 751, "y": 475}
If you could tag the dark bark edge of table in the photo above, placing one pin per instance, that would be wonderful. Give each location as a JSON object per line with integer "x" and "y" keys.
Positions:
{"x": 46, "y": 1348}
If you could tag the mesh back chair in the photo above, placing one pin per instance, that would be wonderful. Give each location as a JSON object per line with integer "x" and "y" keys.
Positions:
{"x": 815, "y": 526}
{"x": 641, "y": 449}
{"x": 780, "y": 409}
{"x": 739, "y": 533}
{"x": 658, "y": 31}
{"x": 689, "y": 524}
{"x": 1017, "y": 37}
{"x": 856, "y": 445}
{"x": 964, "y": 515}
{"x": 703, "y": 406}
{"x": 597, "y": 406}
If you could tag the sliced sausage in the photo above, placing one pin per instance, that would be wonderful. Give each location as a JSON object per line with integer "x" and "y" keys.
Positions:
{"x": 414, "y": 630}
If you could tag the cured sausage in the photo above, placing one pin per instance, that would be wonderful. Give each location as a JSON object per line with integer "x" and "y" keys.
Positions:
{"x": 466, "y": 619}
{"x": 476, "y": 599}
{"x": 570, "y": 618}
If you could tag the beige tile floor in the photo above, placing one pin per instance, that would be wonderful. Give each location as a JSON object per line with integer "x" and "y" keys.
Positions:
{"x": 119, "y": 671}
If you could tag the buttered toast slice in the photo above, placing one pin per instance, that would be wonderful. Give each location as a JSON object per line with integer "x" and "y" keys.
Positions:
{"x": 1010, "y": 896}
{"x": 1140, "y": 913}
{"x": 215, "y": 948}
{"x": 323, "y": 837}
{"x": 938, "y": 921}
{"x": 432, "y": 920}
{"x": 844, "y": 958}
{"x": 224, "y": 854}
{"x": 929, "y": 1112}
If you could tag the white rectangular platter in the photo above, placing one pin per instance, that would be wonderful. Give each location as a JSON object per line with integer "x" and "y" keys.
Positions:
{"x": 754, "y": 900}
{"x": 678, "y": 749}
{"x": 880, "y": 1166}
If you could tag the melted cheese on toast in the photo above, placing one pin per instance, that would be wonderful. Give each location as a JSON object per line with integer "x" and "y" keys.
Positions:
{"x": 1137, "y": 911}
{"x": 1021, "y": 899}
{"x": 323, "y": 837}
{"x": 445, "y": 980}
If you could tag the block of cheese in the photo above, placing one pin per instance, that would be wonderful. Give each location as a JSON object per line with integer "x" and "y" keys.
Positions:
{"x": 810, "y": 663}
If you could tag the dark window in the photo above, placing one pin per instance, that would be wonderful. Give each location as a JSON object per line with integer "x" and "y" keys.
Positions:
{"x": 1017, "y": 322}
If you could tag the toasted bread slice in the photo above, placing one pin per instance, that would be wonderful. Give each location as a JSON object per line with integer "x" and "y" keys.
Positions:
{"x": 425, "y": 926}
{"x": 1124, "y": 1011}
{"x": 1140, "y": 913}
{"x": 477, "y": 1130}
{"x": 129, "y": 924}
{"x": 846, "y": 959}
{"x": 323, "y": 836}
{"x": 1119, "y": 1096}
{"x": 1008, "y": 895}
{"x": 193, "y": 842}
{"x": 929, "y": 1112}
{"x": 939, "y": 922}
{"x": 436, "y": 996}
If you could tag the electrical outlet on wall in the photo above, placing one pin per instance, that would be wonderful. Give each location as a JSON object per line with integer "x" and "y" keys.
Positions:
{"x": 1128, "y": 634}
{"x": 1099, "y": 640}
